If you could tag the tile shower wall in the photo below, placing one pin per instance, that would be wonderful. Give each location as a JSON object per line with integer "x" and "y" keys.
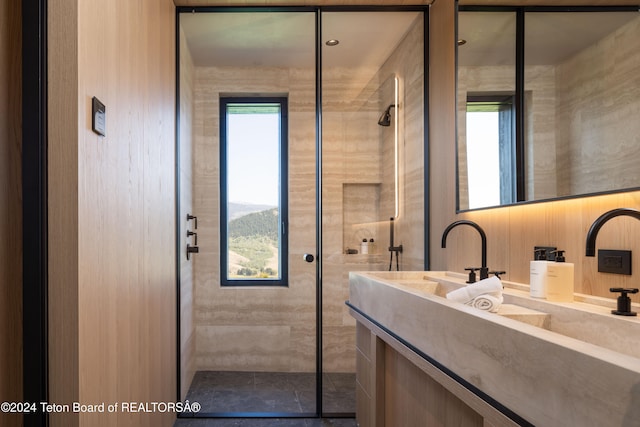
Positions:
{"x": 352, "y": 200}
{"x": 262, "y": 329}
{"x": 273, "y": 329}
{"x": 600, "y": 143}
{"x": 406, "y": 62}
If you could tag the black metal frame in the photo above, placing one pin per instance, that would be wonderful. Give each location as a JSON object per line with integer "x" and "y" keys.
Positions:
{"x": 318, "y": 10}
{"x": 283, "y": 202}
{"x": 520, "y": 12}
{"x": 34, "y": 208}
{"x": 425, "y": 136}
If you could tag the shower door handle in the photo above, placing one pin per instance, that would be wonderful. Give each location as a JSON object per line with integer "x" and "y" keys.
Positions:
{"x": 308, "y": 257}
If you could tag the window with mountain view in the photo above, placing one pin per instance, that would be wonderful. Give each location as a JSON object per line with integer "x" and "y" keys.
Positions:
{"x": 253, "y": 184}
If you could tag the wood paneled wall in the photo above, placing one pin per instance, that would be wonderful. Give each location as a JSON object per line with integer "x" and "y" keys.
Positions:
{"x": 111, "y": 209}
{"x": 63, "y": 207}
{"x": 10, "y": 208}
{"x": 512, "y": 231}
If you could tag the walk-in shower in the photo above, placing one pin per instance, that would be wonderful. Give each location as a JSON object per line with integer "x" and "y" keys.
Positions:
{"x": 287, "y": 349}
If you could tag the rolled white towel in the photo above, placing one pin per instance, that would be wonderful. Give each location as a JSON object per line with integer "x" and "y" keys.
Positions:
{"x": 487, "y": 302}
{"x": 492, "y": 285}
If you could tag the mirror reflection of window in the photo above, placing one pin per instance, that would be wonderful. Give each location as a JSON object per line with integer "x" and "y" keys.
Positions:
{"x": 486, "y": 67}
{"x": 490, "y": 150}
{"x": 575, "y": 72}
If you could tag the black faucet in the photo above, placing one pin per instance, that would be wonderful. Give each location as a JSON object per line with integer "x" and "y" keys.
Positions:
{"x": 598, "y": 223}
{"x": 484, "y": 271}
{"x": 624, "y": 302}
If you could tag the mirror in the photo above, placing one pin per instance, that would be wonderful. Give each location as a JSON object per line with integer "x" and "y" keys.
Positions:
{"x": 568, "y": 126}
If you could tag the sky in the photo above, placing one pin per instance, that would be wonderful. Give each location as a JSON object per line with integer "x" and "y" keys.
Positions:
{"x": 253, "y": 158}
{"x": 483, "y": 159}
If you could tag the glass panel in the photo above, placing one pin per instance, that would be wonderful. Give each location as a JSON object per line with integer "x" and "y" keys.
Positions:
{"x": 372, "y": 157}
{"x": 486, "y": 68}
{"x": 249, "y": 350}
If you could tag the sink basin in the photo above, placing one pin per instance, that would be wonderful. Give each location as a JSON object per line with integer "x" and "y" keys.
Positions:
{"x": 440, "y": 283}
{"x": 552, "y": 363}
{"x": 588, "y": 319}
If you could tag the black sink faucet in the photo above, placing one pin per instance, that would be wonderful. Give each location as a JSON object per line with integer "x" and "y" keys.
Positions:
{"x": 600, "y": 221}
{"x": 484, "y": 271}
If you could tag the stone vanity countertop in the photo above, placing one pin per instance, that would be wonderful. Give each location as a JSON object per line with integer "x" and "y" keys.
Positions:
{"x": 543, "y": 374}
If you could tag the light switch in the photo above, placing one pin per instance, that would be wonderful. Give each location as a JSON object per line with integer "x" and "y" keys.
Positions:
{"x": 99, "y": 117}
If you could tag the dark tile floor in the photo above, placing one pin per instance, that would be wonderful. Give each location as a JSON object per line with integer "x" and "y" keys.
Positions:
{"x": 274, "y": 422}
{"x": 226, "y": 392}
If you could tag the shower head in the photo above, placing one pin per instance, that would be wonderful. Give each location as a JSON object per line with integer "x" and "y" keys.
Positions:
{"x": 385, "y": 118}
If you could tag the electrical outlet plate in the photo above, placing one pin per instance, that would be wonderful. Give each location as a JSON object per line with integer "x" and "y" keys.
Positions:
{"x": 614, "y": 261}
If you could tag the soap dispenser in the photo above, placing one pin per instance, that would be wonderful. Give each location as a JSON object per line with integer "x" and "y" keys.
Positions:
{"x": 560, "y": 279}
{"x": 538, "y": 274}
{"x": 364, "y": 247}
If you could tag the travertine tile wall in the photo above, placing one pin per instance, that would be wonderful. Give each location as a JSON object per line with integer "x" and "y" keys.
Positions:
{"x": 352, "y": 199}
{"x": 406, "y": 62}
{"x": 274, "y": 328}
{"x": 255, "y": 328}
{"x": 598, "y": 125}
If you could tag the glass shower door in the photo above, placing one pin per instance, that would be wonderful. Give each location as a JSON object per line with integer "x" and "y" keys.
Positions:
{"x": 248, "y": 338}
{"x": 372, "y": 170}
{"x": 253, "y": 310}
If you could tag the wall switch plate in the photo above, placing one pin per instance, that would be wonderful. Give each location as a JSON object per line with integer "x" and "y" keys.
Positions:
{"x": 550, "y": 256}
{"x": 98, "y": 117}
{"x": 614, "y": 261}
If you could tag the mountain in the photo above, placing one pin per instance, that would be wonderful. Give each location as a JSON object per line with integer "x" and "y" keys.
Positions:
{"x": 256, "y": 224}
{"x": 236, "y": 210}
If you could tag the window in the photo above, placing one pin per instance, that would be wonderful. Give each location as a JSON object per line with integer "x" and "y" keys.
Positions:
{"x": 253, "y": 191}
{"x": 491, "y": 150}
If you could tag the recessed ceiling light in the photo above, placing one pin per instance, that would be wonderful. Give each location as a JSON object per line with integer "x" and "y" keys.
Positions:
{"x": 332, "y": 42}
{"x": 461, "y": 42}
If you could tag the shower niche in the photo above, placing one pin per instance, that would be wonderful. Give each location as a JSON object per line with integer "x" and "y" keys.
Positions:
{"x": 361, "y": 219}
{"x": 371, "y": 155}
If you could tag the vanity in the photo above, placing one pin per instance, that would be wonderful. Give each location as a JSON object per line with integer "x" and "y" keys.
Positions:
{"x": 424, "y": 360}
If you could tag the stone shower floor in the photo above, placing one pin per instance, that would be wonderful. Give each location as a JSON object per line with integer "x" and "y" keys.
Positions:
{"x": 270, "y": 392}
